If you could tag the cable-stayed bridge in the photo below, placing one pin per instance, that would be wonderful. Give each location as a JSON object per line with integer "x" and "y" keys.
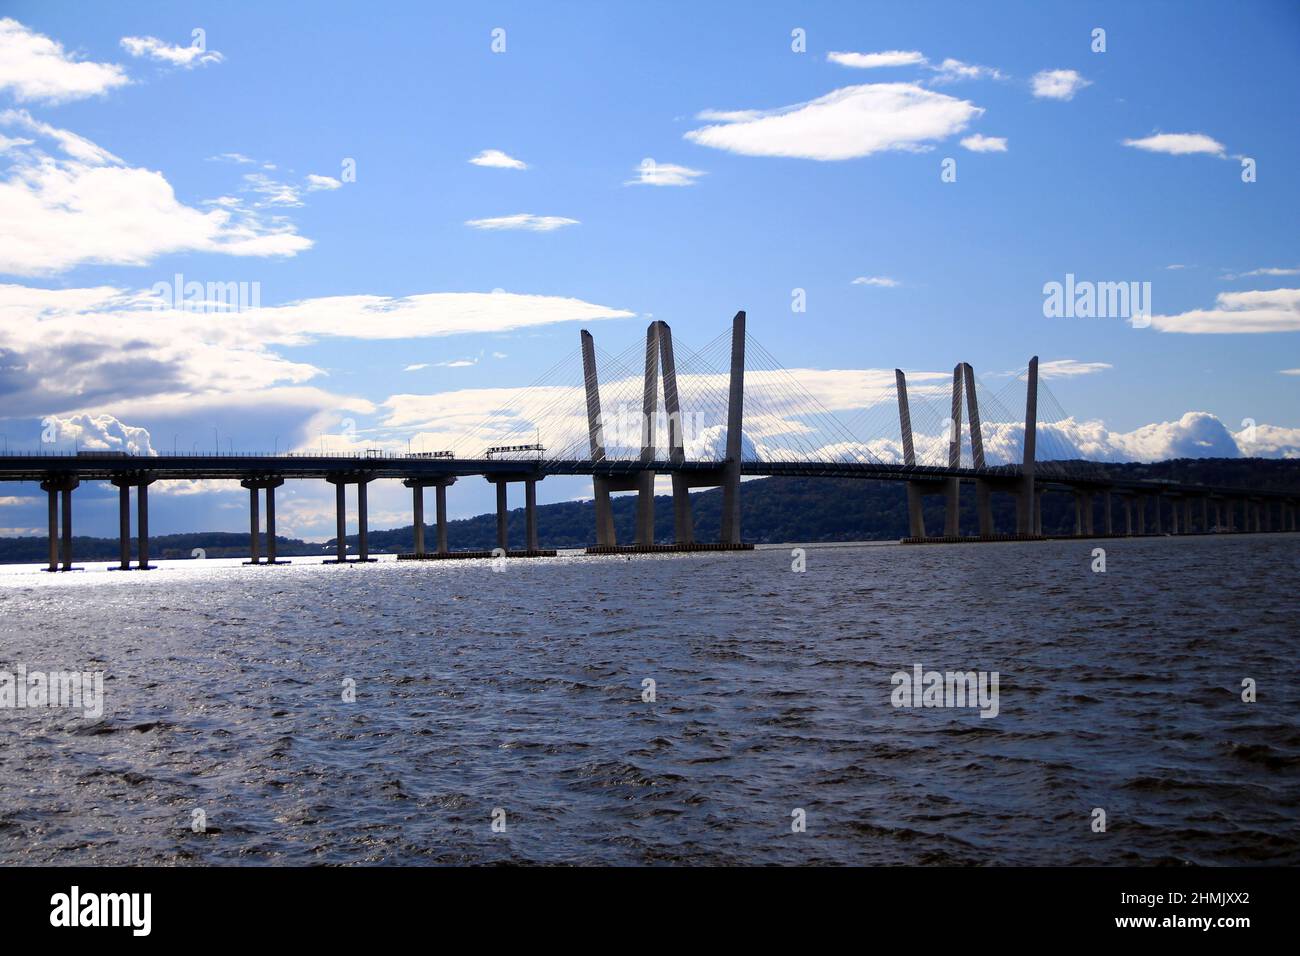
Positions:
{"x": 704, "y": 417}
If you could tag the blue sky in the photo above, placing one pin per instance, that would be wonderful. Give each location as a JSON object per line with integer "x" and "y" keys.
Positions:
{"x": 581, "y": 95}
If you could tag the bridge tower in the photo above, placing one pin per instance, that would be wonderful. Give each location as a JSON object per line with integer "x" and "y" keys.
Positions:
{"x": 1026, "y": 502}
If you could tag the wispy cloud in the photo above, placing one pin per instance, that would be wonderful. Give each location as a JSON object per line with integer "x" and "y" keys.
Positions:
{"x": 523, "y": 220}
{"x": 1058, "y": 84}
{"x": 985, "y": 144}
{"x": 65, "y": 201}
{"x": 844, "y": 124}
{"x": 37, "y": 69}
{"x": 1266, "y": 271}
{"x": 1273, "y": 310}
{"x": 315, "y": 182}
{"x": 164, "y": 52}
{"x": 1178, "y": 144}
{"x": 1069, "y": 368}
{"x": 496, "y": 159}
{"x": 651, "y": 173}
{"x": 871, "y": 61}
{"x": 953, "y": 71}
{"x": 884, "y": 282}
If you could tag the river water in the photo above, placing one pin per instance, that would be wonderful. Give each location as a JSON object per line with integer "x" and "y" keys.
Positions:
{"x": 516, "y": 696}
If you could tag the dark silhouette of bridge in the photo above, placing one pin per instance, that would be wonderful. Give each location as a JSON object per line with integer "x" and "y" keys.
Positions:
{"x": 691, "y": 444}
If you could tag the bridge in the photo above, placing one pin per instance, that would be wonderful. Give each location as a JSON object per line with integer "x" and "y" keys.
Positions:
{"x": 730, "y": 410}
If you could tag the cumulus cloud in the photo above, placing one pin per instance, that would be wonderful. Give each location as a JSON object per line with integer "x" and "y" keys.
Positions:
{"x": 844, "y": 124}
{"x": 1272, "y": 310}
{"x": 183, "y": 56}
{"x": 650, "y": 173}
{"x": 81, "y": 204}
{"x": 1057, "y": 84}
{"x": 36, "y": 69}
{"x": 78, "y": 349}
{"x": 1178, "y": 144}
{"x": 100, "y": 433}
{"x": 884, "y": 282}
{"x": 979, "y": 143}
{"x": 871, "y": 61}
{"x": 316, "y": 182}
{"x": 523, "y": 220}
{"x": 496, "y": 159}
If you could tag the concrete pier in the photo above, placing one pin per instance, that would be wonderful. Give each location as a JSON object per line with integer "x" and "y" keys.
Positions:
{"x": 340, "y": 482}
{"x": 735, "y": 423}
{"x": 417, "y": 486}
{"x": 268, "y": 484}
{"x": 503, "y": 517}
{"x": 60, "y": 491}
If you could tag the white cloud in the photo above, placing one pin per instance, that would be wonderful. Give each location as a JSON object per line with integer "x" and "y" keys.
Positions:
{"x": 416, "y": 367}
{"x": 316, "y": 183}
{"x": 844, "y": 124}
{"x": 1273, "y": 310}
{"x": 1069, "y": 368}
{"x": 869, "y": 61}
{"x": 72, "y": 350}
{"x": 1266, "y": 271}
{"x": 89, "y": 206}
{"x": 1178, "y": 144}
{"x": 953, "y": 71}
{"x": 883, "y": 281}
{"x": 523, "y": 220}
{"x": 101, "y": 433}
{"x": 1176, "y": 265}
{"x": 1290, "y": 371}
{"x": 979, "y": 143}
{"x": 458, "y": 363}
{"x": 1058, "y": 84}
{"x": 36, "y": 68}
{"x": 650, "y": 173}
{"x": 496, "y": 159}
{"x": 155, "y": 49}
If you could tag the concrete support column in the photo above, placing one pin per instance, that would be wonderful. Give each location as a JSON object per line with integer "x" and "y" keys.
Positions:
{"x": 254, "y": 527}
{"x": 441, "y": 504}
{"x": 1078, "y": 514}
{"x": 54, "y": 528}
{"x": 1087, "y": 513}
{"x": 915, "y": 511}
{"x": 1266, "y": 508}
{"x": 363, "y": 542}
{"x": 124, "y": 526}
{"x": 605, "y": 535}
{"x": 142, "y": 525}
{"x": 530, "y": 513}
{"x": 270, "y": 524}
{"x": 1105, "y": 503}
{"x": 503, "y": 519}
{"x": 1173, "y": 516}
{"x": 1205, "y": 514}
{"x": 1038, "y": 513}
{"x": 67, "y": 526}
{"x": 341, "y": 520}
{"x": 1128, "y": 515}
{"x": 1231, "y": 509}
{"x": 1140, "y": 509}
{"x": 1187, "y": 516}
{"x": 417, "y": 516}
{"x": 1157, "y": 502}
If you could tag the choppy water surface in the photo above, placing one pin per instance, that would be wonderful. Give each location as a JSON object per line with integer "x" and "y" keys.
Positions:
{"x": 522, "y": 690}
